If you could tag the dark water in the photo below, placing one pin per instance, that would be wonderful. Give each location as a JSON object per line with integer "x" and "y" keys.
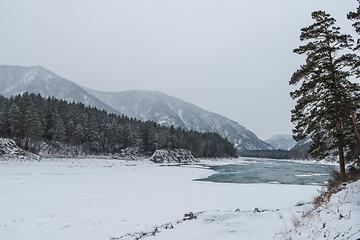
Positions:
{"x": 271, "y": 171}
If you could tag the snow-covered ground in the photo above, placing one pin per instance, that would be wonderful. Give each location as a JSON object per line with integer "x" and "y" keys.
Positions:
{"x": 97, "y": 199}
{"x": 338, "y": 218}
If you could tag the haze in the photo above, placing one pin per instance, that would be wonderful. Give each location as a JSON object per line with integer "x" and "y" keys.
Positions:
{"x": 230, "y": 57}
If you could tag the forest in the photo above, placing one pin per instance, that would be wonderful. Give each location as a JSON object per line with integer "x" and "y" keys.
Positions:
{"x": 30, "y": 119}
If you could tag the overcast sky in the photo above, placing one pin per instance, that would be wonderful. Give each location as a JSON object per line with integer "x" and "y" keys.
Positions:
{"x": 231, "y": 57}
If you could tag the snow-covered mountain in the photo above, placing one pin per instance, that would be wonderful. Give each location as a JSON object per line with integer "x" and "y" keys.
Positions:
{"x": 142, "y": 105}
{"x": 16, "y": 80}
{"x": 283, "y": 141}
{"x": 167, "y": 111}
{"x": 301, "y": 148}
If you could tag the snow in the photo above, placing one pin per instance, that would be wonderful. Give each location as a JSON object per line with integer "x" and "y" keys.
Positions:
{"x": 103, "y": 199}
{"x": 337, "y": 219}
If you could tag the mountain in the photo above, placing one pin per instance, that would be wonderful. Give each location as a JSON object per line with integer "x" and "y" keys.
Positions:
{"x": 284, "y": 142}
{"x": 15, "y": 80}
{"x": 168, "y": 111}
{"x": 142, "y": 105}
{"x": 300, "y": 150}
{"x": 296, "y": 150}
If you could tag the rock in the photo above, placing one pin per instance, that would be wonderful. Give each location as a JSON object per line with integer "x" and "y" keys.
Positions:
{"x": 9, "y": 150}
{"x": 189, "y": 216}
{"x": 173, "y": 156}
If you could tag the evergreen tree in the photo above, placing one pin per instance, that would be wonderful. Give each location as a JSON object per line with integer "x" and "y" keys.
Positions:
{"x": 13, "y": 120}
{"x": 355, "y": 16}
{"x": 33, "y": 124}
{"x": 326, "y": 95}
{"x": 2, "y": 115}
{"x": 70, "y": 128}
{"x": 59, "y": 130}
{"x": 79, "y": 134}
{"x": 29, "y": 117}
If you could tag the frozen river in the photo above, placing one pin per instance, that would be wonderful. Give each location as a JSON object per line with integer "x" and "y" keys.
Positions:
{"x": 98, "y": 199}
{"x": 272, "y": 171}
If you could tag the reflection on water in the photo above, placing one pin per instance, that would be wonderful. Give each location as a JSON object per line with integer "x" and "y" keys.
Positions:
{"x": 271, "y": 171}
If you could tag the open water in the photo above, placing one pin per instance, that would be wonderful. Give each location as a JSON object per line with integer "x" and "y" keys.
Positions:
{"x": 272, "y": 171}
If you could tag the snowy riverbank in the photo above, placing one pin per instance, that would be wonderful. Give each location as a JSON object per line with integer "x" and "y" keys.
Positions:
{"x": 97, "y": 199}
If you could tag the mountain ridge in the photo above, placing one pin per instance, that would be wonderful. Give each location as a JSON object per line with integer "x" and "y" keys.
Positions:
{"x": 15, "y": 80}
{"x": 167, "y": 110}
{"x": 140, "y": 104}
{"x": 282, "y": 141}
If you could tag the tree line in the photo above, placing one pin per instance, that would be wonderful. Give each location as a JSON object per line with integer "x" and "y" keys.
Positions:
{"x": 30, "y": 119}
{"x": 328, "y": 102}
{"x": 271, "y": 154}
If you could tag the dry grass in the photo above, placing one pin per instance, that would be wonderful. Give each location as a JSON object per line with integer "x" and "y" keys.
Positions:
{"x": 322, "y": 201}
{"x": 295, "y": 221}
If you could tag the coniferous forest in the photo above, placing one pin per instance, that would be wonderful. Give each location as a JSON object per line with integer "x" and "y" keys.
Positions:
{"x": 30, "y": 119}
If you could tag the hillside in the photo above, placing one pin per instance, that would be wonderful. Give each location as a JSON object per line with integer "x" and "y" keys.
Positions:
{"x": 167, "y": 111}
{"x": 300, "y": 150}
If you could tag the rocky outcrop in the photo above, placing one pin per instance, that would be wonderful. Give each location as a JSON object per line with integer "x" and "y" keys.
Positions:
{"x": 173, "y": 156}
{"x": 9, "y": 150}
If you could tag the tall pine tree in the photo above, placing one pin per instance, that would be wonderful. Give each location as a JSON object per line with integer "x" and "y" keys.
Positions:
{"x": 355, "y": 16}
{"x": 326, "y": 97}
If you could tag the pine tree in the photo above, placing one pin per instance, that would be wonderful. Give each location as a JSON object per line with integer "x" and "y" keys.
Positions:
{"x": 70, "y": 128}
{"x": 33, "y": 124}
{"x": 2, "y": 115}
{"x": 13, "y": 120}
{"x": 79, "y": 134}
{"x": 326, "y": 96}
{"x": 59, "y": 130}
{"x": 355, "y": 16}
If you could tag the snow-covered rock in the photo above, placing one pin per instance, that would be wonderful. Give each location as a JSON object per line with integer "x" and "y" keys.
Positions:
{"x": 9, "y": 150}
{"x": 173, "y": 156}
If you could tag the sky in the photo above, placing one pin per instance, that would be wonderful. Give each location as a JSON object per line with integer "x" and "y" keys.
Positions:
{"x": 231, "y": 57}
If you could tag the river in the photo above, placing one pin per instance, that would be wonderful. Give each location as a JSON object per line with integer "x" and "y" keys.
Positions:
{"x": 272, "y": 171}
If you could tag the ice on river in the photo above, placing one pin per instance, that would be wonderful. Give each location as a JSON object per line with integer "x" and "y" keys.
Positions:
{"x": 97, "y": 199}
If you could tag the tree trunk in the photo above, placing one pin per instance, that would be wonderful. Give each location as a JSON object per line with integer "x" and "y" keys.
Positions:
{"x": 338, "y": 120}
{"x": 341, "y": 153}
{"x": 356, "y": 130}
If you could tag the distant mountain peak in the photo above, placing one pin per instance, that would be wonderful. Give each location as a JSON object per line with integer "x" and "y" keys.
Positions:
{"x": 282, "y": 141}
